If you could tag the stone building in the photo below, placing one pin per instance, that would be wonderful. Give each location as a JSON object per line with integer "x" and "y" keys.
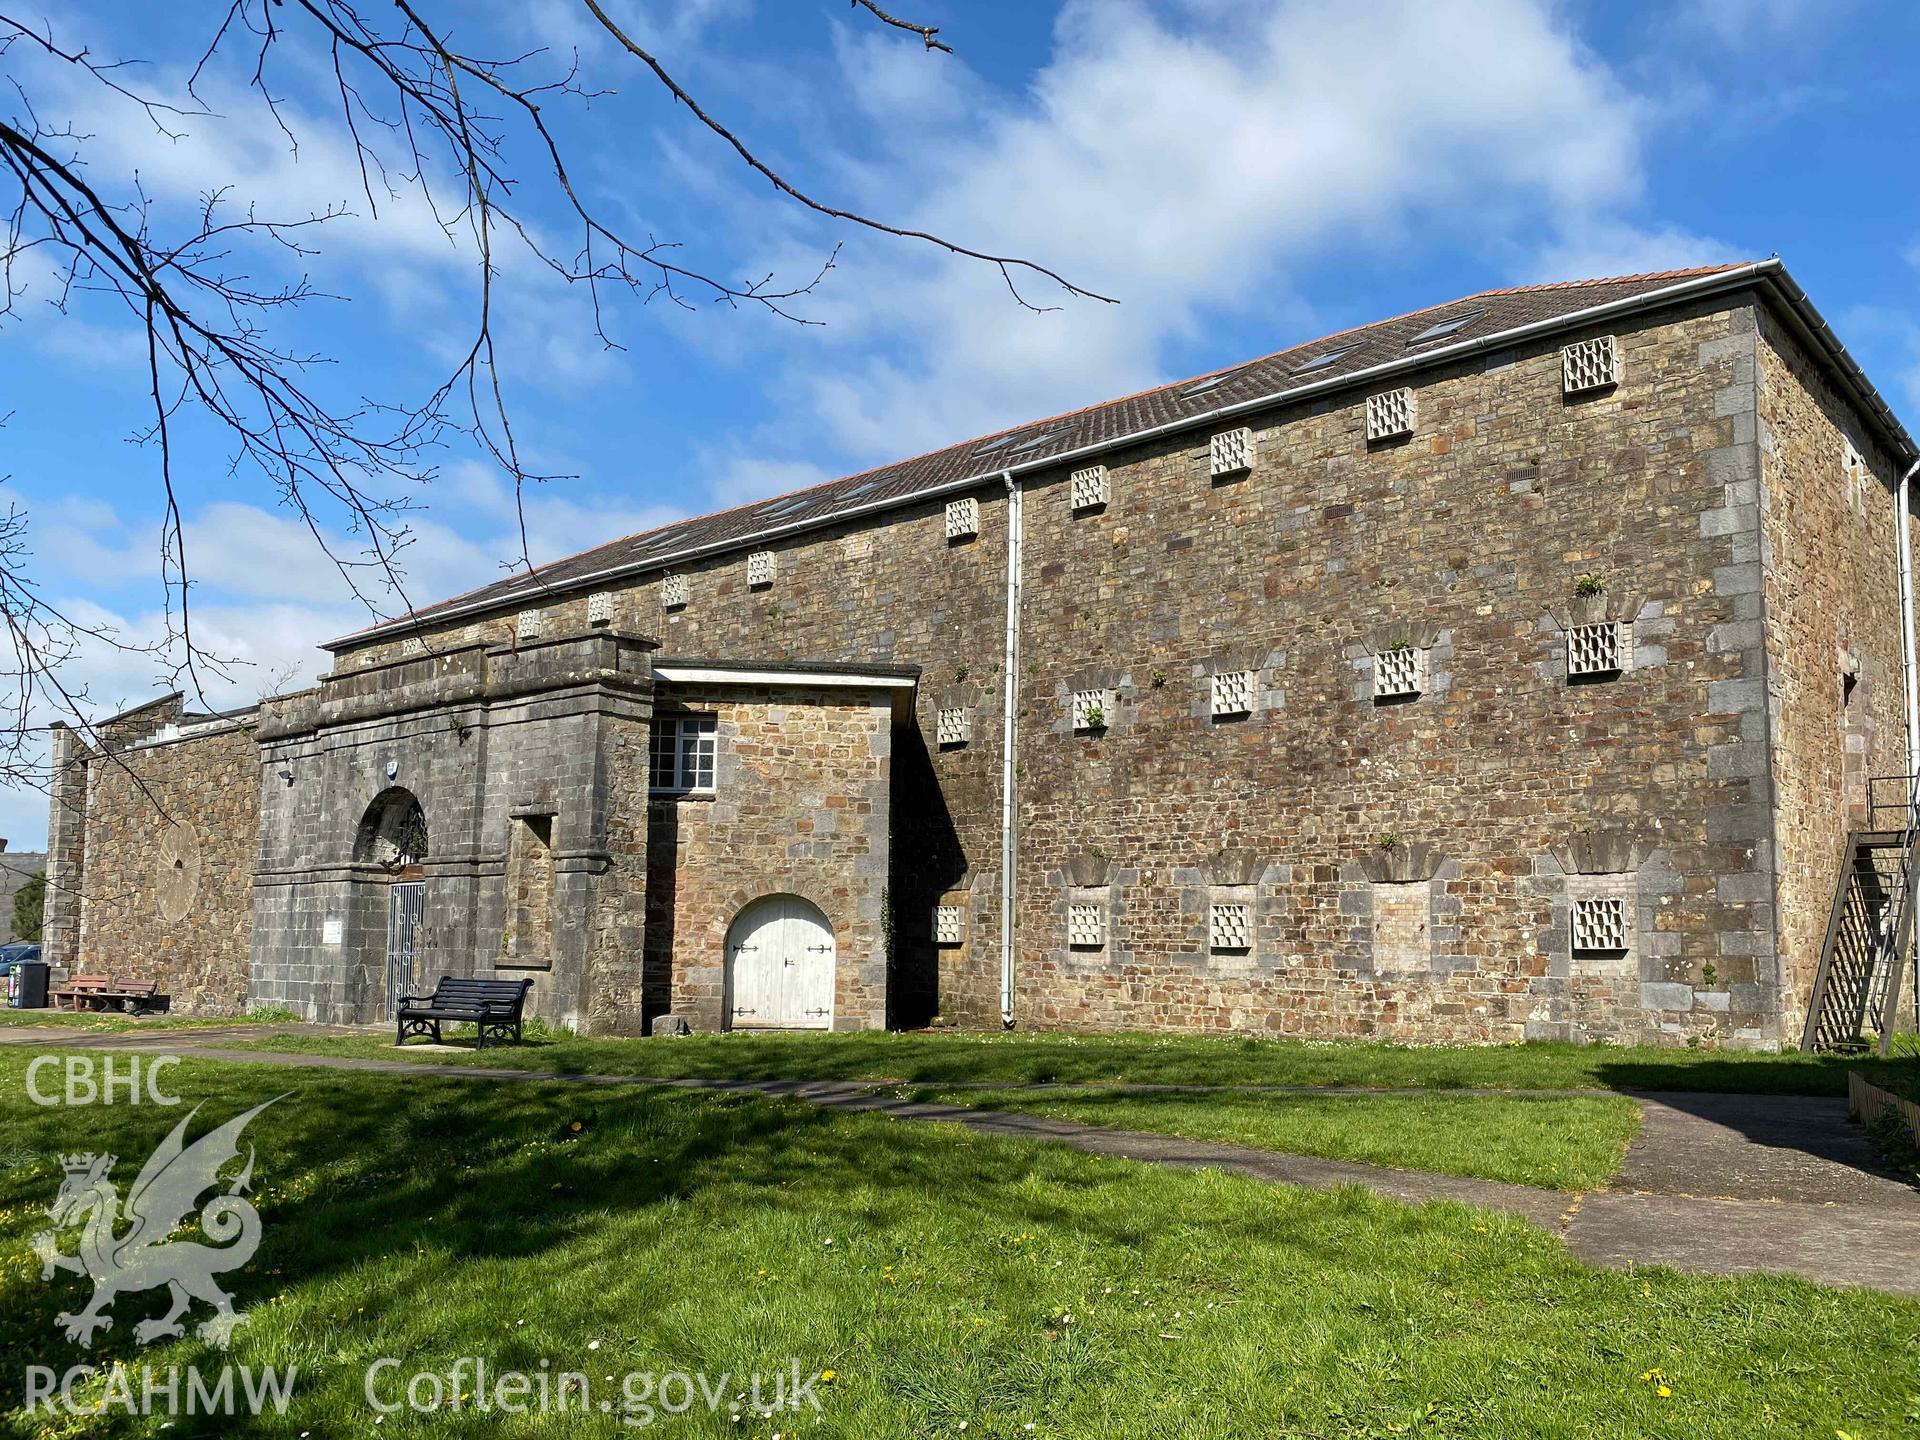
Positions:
{"x": 1513, "y": 668}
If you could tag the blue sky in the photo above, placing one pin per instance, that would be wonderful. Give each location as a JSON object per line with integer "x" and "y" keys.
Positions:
{"x": 1240, "y": 175}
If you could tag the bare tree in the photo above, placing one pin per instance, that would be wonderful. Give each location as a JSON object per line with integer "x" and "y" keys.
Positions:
{"x": 427, "y": 119}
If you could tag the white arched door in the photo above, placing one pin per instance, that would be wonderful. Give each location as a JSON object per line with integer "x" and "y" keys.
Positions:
{"x": 780, "y": 966}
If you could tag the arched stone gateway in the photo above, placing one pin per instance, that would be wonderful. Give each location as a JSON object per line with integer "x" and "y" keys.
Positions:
{"x": 780, "y": 966}
{"x": 393, "y": 832}
{"x": 392, "y": 840}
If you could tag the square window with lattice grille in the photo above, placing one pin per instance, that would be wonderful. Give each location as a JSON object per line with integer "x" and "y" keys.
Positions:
{"x": 1087, "y": 489}
{"x": 1399, "y": 672}
{"x": 760, "y": 569}
{"x": 963, "y": 518}
{"x": 673, "y": 592}
{"x": 1092, "y": 709}
{"x": 1590, "y": 365}
{"x": 949, "y": 925}
{"x": 527, "y": 625}
{"x": 1231, "y": 452}
{"x": 1086, "y": 926}
{"x": 1230, "y": 927}
{"x": 1600, "y": 924}
{"x": 954, "y": 726}
{"x": 1390, "y": 414}
{"x": 1596, "y": 649}
{"x": 600, "y": 608}
{"x": 412, "y": 646}
{"x": 1232, "y": 693}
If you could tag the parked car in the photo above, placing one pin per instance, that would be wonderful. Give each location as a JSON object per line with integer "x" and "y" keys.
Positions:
{"x": 11, "y": 955}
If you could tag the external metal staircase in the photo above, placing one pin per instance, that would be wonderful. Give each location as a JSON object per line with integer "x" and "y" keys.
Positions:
{"x": 1869, "y": 947}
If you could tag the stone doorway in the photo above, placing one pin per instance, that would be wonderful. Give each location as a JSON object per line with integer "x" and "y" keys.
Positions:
{"x": 780, "y": 966}
{"x": 392, "y": 843}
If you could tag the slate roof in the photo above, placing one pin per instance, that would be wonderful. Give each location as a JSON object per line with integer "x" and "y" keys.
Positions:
{"x": 1402, "y": 341}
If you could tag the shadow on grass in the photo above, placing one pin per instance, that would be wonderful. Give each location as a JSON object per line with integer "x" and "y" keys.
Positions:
{"x": 1040, "y": 1057}
{"x": 360, "y": 1177}
{"x": 435, "y": 1218}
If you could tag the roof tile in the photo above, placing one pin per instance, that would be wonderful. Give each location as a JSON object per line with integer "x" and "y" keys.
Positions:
{"x": 1360, "y": 348}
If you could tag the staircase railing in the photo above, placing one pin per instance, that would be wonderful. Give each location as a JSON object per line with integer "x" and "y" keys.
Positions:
{"x": 1870, "y": 932}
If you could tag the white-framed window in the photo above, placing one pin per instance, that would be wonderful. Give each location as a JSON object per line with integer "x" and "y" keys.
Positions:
{"x": 600, "y": 608}
{"x": 1232, "y": 693}
{"x": 526, "y": 625}
{"x": 1590, "y": 365}
{"x": 963, "y": 518}
{"x": 682, "y": 753}
{"x": 1092, "y": 709}
{"x": 673, "y": 592}
{"x": 1086, "y": 926}
{"x": 1230, "y": 927}
{"x": 1600, "y": 924}
{"x": 760, "y": 569}
{"x": 949, "y": 925}
{"x": 1399, "y": 672}
{"x": 1390, "y": 414}
{"x": 954, "y": 726}
{"x": 1596, "y": 649}
{"x": 1087, "y": 488}
{"x": 1231, "y": 452}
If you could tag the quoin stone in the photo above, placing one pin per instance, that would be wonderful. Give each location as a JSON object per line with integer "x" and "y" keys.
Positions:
{"x": 1512, "y": 669}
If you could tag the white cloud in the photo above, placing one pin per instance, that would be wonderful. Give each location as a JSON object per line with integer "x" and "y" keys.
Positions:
{"x": 265, "y": 595}
{"x": 1750, "y": 24}
{"x": 236, "y": 550}
{"x": 1197, "y": 165}
{"x": 1621, "y": 248}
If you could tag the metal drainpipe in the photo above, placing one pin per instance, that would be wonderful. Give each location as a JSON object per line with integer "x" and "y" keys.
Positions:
{"x": 1009, "y": 735}
{"x": 1903, "y": 550}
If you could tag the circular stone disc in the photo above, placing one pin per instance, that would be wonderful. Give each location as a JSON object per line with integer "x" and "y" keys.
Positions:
{"x": 177, "y": 871}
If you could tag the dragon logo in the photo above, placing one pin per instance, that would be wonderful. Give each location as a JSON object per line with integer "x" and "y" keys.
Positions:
{"x": 140, "y": 1257}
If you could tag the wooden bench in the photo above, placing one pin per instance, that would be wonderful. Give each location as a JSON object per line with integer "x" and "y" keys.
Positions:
{"x": 493, "y": 1005}
{"x": 105, "y": 992}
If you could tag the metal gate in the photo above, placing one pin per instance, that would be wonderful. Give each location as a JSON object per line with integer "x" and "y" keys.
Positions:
{"x": 406, "y": 905}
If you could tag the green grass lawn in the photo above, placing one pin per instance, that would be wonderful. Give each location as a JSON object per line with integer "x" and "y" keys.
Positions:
{"x": 98, "y": 1020}
{"x": 1572, "y": 1142}
{"x": 1027, "y": 1056}
{"x": 949, "y": 1280}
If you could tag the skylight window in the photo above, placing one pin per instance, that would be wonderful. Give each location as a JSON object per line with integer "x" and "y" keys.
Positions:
{"x": 781, "y": 507}
{"x": 1444, "y": 328}
{"x": 663, "y": 539}
{"x": 1200, "y": 387}
{"x": 1322, "y": 362}
{"x": 865, "y": 487}
{"x": 1034, "y": 442}
{"x": 1000, "y": 444}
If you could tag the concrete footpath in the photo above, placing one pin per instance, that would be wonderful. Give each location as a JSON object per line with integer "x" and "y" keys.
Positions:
{"x": 1723, "y": 1184}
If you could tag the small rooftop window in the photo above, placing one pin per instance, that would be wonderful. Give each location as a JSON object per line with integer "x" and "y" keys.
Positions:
{"x": 783, "y": 507}
{"x": 865, "y": 487}
{"x": 1034, "y": 442}
{"x": 1200, "y": 387}
{"x": 1443, "y": 328}
{"x": 1322, "y": 362}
